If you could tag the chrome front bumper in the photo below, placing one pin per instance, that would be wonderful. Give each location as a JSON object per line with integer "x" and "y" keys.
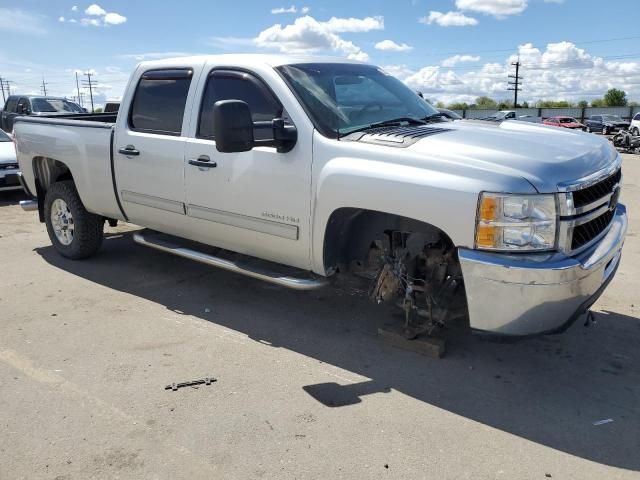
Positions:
{"x": 533, "y": 294}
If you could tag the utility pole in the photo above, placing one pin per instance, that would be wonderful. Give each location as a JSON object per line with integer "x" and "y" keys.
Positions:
{"x": 88, "y": 83}
{"x": 6, "y": 83}
{"x": 78, "y": 89}
{"x": 44, "y": 87}
{"x": 515, "y": 83}
{"x": 4, "y": 99}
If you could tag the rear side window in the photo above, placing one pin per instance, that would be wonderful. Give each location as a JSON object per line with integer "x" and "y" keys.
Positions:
{"x": 637, "y": 117}
{"x": 10, "y": 107}
{"x": 159, "y": 101}
{"x": 237, "y": 85}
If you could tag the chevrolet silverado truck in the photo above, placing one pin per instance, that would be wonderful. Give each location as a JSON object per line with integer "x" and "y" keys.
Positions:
{"x": 295, "y": 170}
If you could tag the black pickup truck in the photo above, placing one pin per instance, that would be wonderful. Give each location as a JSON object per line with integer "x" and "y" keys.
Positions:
{"x": 605, "y": 124}
{"x": 17, "y": 105}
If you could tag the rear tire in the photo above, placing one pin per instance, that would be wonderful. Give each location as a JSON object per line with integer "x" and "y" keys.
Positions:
{"x": 74, "y": 232}
{"x": 636, "y": 132}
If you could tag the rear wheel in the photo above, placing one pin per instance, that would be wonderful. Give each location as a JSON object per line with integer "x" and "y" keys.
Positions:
{"x": 636, "y": 131}
{"x": 605, "y": 131}
{"x": 74, "y": 232}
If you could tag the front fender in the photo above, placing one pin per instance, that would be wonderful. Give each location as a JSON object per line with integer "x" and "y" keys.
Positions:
{"x": 445, "y": 201}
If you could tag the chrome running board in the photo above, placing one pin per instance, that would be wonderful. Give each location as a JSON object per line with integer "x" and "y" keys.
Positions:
{"x": 29, "y": 205}
{"x": 313, "y": 282}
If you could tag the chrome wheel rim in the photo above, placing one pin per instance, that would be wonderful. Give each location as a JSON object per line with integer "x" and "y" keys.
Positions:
{"x": 62, "y": 221}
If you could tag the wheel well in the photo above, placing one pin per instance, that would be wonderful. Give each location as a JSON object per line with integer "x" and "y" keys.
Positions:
{"x": 350, "y": 232}
{"x": 48, "y": 171}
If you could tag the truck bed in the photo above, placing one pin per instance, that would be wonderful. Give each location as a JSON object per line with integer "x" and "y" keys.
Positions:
{"x": 104, "y": 120}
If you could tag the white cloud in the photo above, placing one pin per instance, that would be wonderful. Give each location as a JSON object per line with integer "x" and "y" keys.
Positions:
{"x": 113, "y": 18}
{"x": 497, "y": 8}
{"x": 100, "y": 17}
{"x": 154, "y": 55}
{"x": 560, "y": 71}
{"x": 307, "y": 35}
{"x": 449, "y": 19}
{"x": 340, "y": 25}
{"x": 15, "y": 20}
{"x": 61, "y": 19}
{"x": 95, "y": 10}
{"x": 451, "y": 61}
{"x": 291, "y": 9}
{"x": 391, "y": 46}
{"x": 304, "y": 10}
{"x": 74, "y": 8}
{"x": 91, "y": 21}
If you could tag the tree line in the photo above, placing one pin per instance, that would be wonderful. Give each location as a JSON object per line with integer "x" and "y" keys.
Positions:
{"x": 613, "y": 98}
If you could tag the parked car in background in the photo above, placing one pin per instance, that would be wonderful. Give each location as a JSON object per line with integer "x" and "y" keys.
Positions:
{"x": 450, "y": 114}
{"x": 17, "y": 105}
{"x": 564, "y": 122}
{"x": 503, "y": 115}
{"x": 605, "y": 124}
{"x": 8, "y": 164}
{"x": 111, "y": 107}
{"x": 635, "y": 125}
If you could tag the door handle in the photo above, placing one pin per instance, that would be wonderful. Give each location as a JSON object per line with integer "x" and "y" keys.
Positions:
{"x": 202, "y": 161}
{"x": 129, "y": 151}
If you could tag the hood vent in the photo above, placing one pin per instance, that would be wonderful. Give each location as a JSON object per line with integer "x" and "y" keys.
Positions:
{"x": 395, "y": 136}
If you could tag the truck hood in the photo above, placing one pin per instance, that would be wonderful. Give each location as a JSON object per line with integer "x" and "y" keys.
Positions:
{"x": 7, "y": 153}
{"x": 543, "y": 155}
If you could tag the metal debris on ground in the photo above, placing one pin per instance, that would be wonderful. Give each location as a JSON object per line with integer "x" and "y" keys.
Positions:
{"x": 602, "y": 422}
{"x": 192, "y": 383}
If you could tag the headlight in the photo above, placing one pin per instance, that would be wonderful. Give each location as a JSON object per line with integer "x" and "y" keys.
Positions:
{"x": 516, "y": 222}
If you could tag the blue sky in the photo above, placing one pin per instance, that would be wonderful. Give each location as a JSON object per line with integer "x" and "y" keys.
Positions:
{"x": 449, "y": 49}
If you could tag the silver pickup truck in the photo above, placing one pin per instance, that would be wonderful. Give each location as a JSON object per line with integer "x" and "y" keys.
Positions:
{"x": 311, "y": 168}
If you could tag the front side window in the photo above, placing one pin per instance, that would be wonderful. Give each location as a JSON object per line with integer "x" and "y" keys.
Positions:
{"x": 637, "y": 117}
{"x": 159, "y": 101}
{"x": 237, "y": 85}
{"x": 342, "y": 97}
{"x": 612, "y": 118}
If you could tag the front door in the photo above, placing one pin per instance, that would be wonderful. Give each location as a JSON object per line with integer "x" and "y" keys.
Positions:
{"x": 149, "y": 150}
{"x": 255, "y": 202}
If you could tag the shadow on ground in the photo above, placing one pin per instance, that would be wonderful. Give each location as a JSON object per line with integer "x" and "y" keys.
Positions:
{"x": 548, "y": 390}
{"x": 12, "y": 197}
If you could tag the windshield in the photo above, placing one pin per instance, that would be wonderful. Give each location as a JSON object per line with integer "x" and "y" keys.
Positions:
{"x": 43, "y": 105}
{"x": 568, "y": 120}
{"x": 4, "y": 137}
{"x": 612, "y": 118}
{"x": 341, "y": 97}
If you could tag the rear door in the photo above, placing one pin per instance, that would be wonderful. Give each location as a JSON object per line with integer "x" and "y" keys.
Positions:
{"x": 148, "y": 148}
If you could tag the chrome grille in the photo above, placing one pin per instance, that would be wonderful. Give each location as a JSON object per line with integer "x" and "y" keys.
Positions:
{"x": 588, "y": 209}
{"x": 596, "y": 191}
{"x": 583, "y": 234}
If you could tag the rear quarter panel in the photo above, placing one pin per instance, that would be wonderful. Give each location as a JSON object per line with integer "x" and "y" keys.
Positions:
{"x": 84, "y": 148}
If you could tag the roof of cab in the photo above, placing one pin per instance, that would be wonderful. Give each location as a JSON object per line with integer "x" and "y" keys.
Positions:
{"x": 248, "y": 59}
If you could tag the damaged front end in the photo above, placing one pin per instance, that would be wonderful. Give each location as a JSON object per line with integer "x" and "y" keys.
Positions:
{"x": 420, "y": 274}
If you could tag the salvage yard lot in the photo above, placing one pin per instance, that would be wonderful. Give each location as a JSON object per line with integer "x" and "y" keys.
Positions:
{"x": 304, "y": 389}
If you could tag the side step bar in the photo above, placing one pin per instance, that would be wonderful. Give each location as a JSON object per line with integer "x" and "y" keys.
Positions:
{"x": 311, "y": 283}
{"x": 29, "y": 205}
